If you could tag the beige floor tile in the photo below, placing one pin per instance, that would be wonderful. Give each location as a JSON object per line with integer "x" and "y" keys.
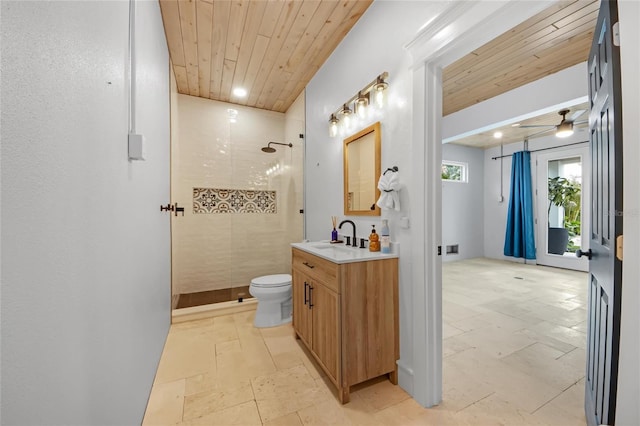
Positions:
{"x": 165, "y": 404}
{"x": 285, "y": 330}
{"x": 214, "y": 382}
{"x": 245, "y": 414}
{"x": 453, "y": 312}
{"x": 452, "y": 345}
{"x": 507, "y": 322}
{"x": 380, "y": 393}
{"x": 581, "y": 327}
{"x": 409, "y": 412}
{"x": 566, "y": 409}
{"x": 291, "y": 419}
{"x": 460, "y": 389}
{"x": 359, "y": 411}
{"x": 547, "y": 340}
{"x": 496, "y": 341}
{"x": 285, "y": 392}
{"x": 311, "y": 364}
{"x": 281, "y": 344}
{"x": 186, "y": 354}
{"x": 554, "y": 367}
{"x": 449, "y": 330}
{"x": 228, "y": 346}
{"x": 286, "y": 360}
{"x": 561, "y": 333}
{"x": 204, "y": 403}
{"x": 252, "y": 360}
{"x": 526, "y": 392}
{"x": 326, "y": 412}
{"x": 497, "y": 411}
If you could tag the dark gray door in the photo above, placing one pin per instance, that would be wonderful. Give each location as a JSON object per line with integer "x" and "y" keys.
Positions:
{"x": 605, "y": 270}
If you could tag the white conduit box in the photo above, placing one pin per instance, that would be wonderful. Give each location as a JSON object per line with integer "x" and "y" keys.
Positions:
{"x": 136, "y": 147}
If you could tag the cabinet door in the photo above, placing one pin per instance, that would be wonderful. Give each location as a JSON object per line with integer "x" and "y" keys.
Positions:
{"x": 301, "y": 310}
{"x": 325, "y": 306}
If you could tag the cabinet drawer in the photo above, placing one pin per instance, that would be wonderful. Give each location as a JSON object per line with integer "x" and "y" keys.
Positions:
{"x": 316, "y": 267}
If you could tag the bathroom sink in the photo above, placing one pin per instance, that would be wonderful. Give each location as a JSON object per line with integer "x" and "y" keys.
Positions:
{"x": 339, "y": 253}
{"x": 334, "y": 247}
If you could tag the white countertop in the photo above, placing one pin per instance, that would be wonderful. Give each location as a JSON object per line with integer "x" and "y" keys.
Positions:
{"x": 339, "y": 253}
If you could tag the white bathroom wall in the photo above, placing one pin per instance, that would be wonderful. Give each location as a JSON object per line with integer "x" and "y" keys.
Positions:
{"x": 214, "y": 251}
{"x": 463, "y": 205}
{"x": 85, "y": 249}
{"x": 374, "y": 45}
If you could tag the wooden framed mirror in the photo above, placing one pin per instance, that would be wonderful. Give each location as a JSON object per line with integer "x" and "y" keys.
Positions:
{"x": 361, "y": 172}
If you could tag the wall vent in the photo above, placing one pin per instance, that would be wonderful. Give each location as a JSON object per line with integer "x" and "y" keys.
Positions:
{"x": 452, "y": 249}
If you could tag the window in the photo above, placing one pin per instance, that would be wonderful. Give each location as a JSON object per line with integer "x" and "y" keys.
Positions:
{"x": 454, "y": 172}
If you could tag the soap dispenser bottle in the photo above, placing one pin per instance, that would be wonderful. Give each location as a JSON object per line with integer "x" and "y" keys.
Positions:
{"x": 374, "y": 240}
{"x": 385, "y": 241}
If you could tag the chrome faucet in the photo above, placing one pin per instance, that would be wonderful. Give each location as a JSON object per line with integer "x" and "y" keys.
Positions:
{"x": 353, "y": 243}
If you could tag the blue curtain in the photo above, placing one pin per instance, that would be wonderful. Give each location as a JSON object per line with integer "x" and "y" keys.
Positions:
{"x": 519, "y": 239}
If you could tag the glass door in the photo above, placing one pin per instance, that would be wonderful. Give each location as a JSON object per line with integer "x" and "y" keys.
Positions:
{"x": 561, "y": 216}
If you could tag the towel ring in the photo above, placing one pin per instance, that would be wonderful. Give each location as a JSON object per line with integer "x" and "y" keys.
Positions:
{"x": 391, "y": 169}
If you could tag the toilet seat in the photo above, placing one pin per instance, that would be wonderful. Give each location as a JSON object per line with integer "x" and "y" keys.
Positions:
{"x": 272, "y": 281}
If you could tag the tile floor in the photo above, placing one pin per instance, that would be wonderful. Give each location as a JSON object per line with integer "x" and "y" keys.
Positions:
{"x": 513, "y": 354}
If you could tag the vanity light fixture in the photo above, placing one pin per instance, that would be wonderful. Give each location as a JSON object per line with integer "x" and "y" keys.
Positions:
{"x": 346, "y": 112}
{"x": 375, "y": 91}
{"x": 333, "y": 126}
{"x": 361, "y": 104}
{"x": 380, "y": 89}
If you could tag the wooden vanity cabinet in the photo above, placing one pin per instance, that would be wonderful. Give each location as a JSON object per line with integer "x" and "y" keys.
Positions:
{"x": 347, "y": 316}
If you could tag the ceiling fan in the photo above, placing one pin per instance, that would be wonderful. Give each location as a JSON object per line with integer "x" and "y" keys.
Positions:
{"x": 565, "y": 128}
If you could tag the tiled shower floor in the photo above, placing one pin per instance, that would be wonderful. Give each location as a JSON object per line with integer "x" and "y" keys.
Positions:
{"x": 188, "y": 300}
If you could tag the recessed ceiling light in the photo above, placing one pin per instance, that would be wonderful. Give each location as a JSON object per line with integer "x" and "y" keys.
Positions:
{"x": 497, "y": 135}
{"x": 239, "y": 92}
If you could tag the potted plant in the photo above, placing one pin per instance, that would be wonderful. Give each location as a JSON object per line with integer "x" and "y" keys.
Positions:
{"x": 566, "y": 194}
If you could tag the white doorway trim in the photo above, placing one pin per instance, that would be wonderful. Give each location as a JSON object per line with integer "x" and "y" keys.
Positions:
{"x": 461, "y": 28}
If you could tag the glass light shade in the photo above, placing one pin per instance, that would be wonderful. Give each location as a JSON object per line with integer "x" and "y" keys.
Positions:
{"x": 346, "y": 116}
{"x": 346, "y": 121}
{"x": 333, "y": 126}
{"x": 362, "y": 104}
{"x": 380, "y": 89}
{"x": 564, "y": 130}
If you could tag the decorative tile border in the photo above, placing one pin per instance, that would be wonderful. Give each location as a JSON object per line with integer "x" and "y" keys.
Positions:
{"x": 213, "y": 200}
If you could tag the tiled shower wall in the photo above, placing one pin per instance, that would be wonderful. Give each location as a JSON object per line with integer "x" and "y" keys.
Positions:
{"x": 215, "y": 248}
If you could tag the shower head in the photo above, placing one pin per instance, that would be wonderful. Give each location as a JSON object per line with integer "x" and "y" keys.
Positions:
{"x": 271, "y": 150}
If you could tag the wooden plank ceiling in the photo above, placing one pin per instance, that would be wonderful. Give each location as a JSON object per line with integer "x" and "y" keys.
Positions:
{"x": 270, "y": 48}
{"x": 554, "y": 39}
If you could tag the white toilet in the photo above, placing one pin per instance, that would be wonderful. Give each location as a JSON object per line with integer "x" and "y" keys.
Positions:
{"x": 274, "y": 299}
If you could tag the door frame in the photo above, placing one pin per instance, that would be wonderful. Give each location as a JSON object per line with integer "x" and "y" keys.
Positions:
{"x": 541, "y": 203}
{"x": 462, "y": 27}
